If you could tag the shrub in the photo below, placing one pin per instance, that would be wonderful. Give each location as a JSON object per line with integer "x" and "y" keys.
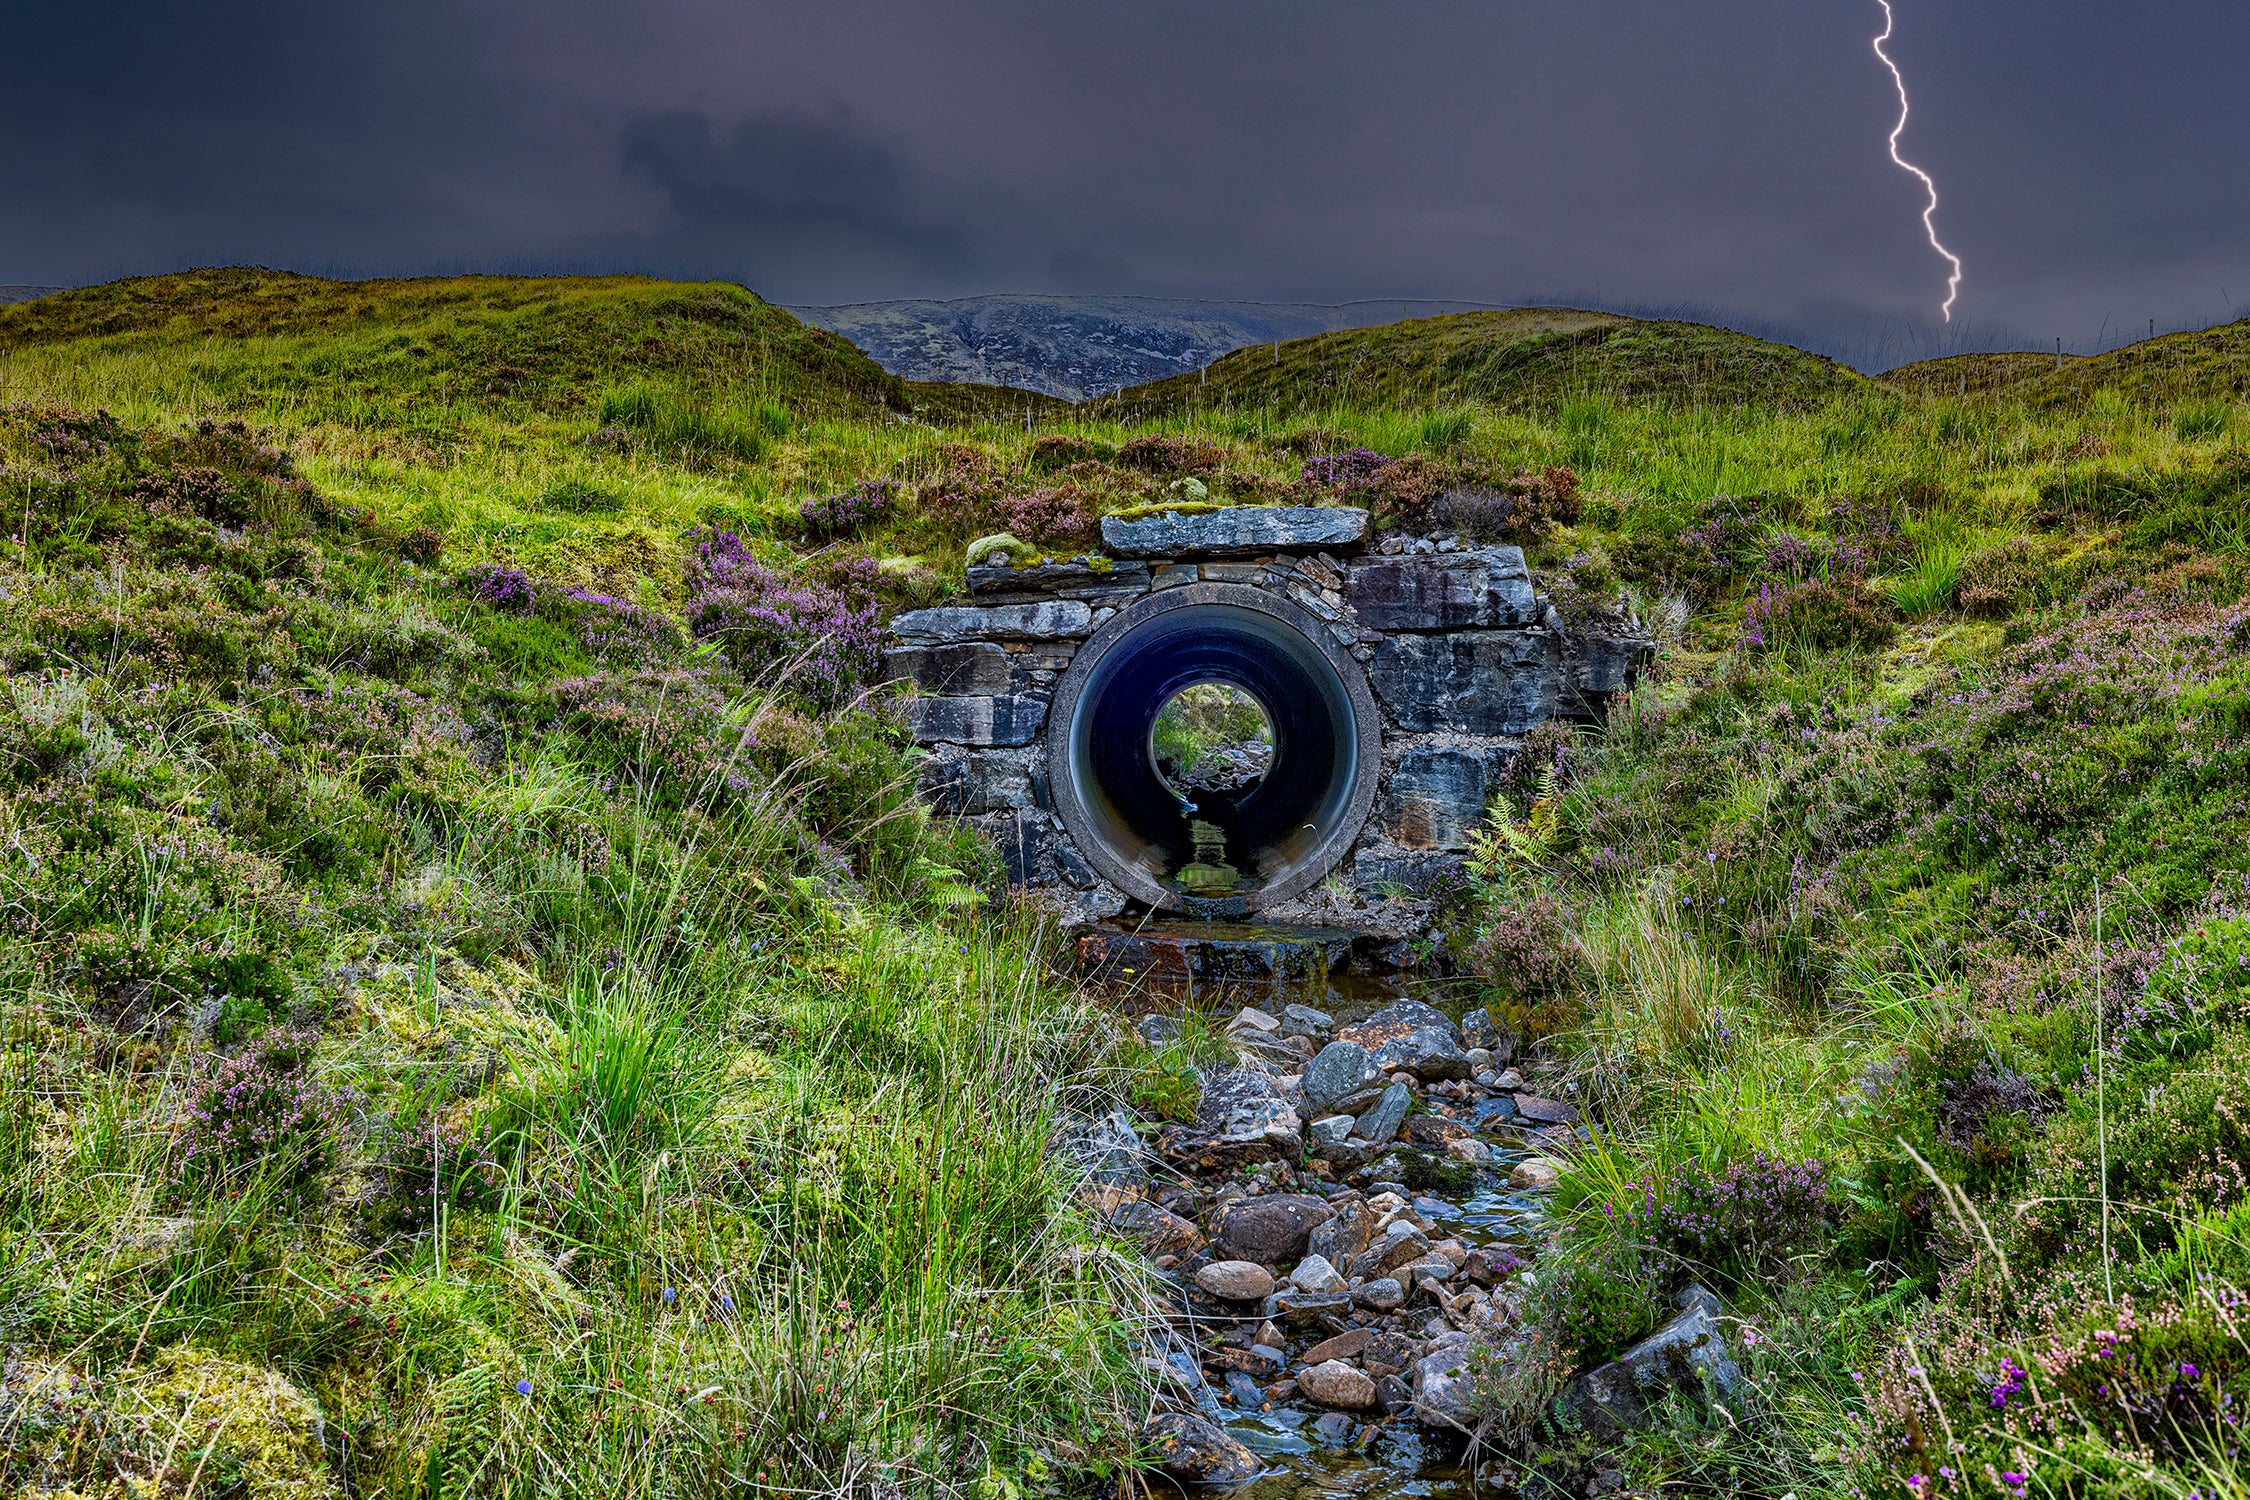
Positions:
{"x": 1165, "y": 456}
{"x": 851, "y": 512}
{"x": 1820, "y": 615}
{"x": 1344, "y": 473}
{"x": 780, "y": 633}
{"x": 1526, "y": 952}
{"x": 1402, "y": 493}
{"x": 1750, "y": 1219}
{"x": 1056, "y": 517}
{"x": 424, "y": 545}
{"x": 261, "y": 1111}
{"x": 418, "y": 1161}
{"x": 502, "y": 587}
{"x": 1524, "y": 508}
{"x": 1059, "y": 450}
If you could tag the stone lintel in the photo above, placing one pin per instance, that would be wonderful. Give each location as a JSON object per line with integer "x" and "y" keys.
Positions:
{"x": 1235, "y": 531}
{"x": 946, "y": 624}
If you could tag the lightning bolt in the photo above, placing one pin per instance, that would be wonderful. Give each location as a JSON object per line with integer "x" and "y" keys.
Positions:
{"x": 1929, "y": 227}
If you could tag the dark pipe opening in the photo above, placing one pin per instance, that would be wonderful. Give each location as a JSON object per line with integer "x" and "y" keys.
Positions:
{"x": 1276, "y": 825}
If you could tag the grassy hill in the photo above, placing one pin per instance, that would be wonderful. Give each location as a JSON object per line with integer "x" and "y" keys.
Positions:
{"x": 2208, "y": 368}
{"x": 1512, "y": 358}
{"x": 476, "y": 986}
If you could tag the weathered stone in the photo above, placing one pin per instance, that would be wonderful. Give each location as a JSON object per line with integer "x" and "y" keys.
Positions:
{"x": 1342, "y": 1079}
{"x": 1223, "y": 572}
{"x": 1303, "y": 1020}
{"x": 1172, "y": 575}
{"x": 1381, "y": 1123}
{"x": 1334, "y": 1383}
{"x": 968, "y": 670}
{"x": 1106, "y": 1148}
{"x": 1443, "y": 1385}
{"x": 1315, "y": 1274}
{"x": 1479, "y": 1029}
{"x": 1346, "y": 1345}
{"x": 1487, "y": 588}
{"x": 1157, "y": 1230}
{"x": 1395, "y": 1019}
{"x": 1235, "y": 531}
{"x": 1345, "y": 1235}
{"x": 1534, "y": 1172}
{"x": 1021, "y": 837}
{"x": 1061, "y": 580}
{"x": 1470, "y": 1150}
{"x": 1329, "y": 1128}
{"x": 1271, "y": 1230}
{"x": 1487, "y": 1264}
{"x": 1435, "y": 1132}
{"x": 1010, "y": 719}
{"x": 1435, "y": 796}
{"x": 960, "y": 782}
{"x": 1484, "y": 682}
{"x": 1603, "y": 664}
{"x": 1688, "y": 1354}
{"x": 1195, "y": 1451}
{"x": 1390, "y": 1252}
{"x": 1417, "y": 1273}
{"x": 1334, "y": 1429}
{"x": 1302, "y": 1310}
{"x": 1380, "y": 1294}
{"x": 1546, "y": 1111}
{"x": 1384, "y": 872}
{"x": 1236, "y": 1280}
{"x": 1047, "y": 620}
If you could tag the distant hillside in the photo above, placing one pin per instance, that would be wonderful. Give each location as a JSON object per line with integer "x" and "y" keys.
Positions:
{"x": 10, "y": 294}
{"x": 2212, "y": 364}
{"x": 419, "y": 347}
{"x": 1076, "y": 347}
{"x": 1515, "y": 357}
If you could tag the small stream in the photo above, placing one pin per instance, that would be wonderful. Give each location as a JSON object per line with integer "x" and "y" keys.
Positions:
{"x": 1404, "y": 1459}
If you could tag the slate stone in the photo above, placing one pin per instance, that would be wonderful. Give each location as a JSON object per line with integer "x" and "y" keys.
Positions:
{"x": 1379, "y": 871}
{"x": 1485, "y": 682}
{"x": 1241, "y": 1108}
{"x": 1156, "y": 1229}
{"x": 993, "y": 584}
{"x": 1545, "y": 1111}
{"x": 1443, "y": 1386}
{"x": 1302, "y": 1310}
{"x": 1605, "y": 664}
{"x": 966, "y": 670}
{"x": 1341, "y": 1239}
{"x": 1436, "y": 795}
{"x": 1106, "y": 1148}
{"x": 1235, "y": 531}
{"x": 1020, "y": 837}
{"x": 1341, "y": 1079}
{"x": 1388, "y": 1253}
{"x": 1271, "y": 1230}
{"x": 946, "y": 624}
{"x": 1479, "y": 1029}
{"x": 1380, "y": 1294}
{"x": 1194, "y": 1450}
{"x": 1342, "y": 1346}
{"x": 1379, "y": 1124}
{"x": 1330, "y": 1128}
{"x": 961, "y": 782}
{"x": 1011, "y": 719}
{"x": 1303, "y": 1020}
{"x": 1688, "y": 1354}
{"x": 1482, "y": 588}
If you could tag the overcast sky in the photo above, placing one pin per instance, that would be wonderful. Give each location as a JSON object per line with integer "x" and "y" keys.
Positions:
{"x": 1723, "y": 156}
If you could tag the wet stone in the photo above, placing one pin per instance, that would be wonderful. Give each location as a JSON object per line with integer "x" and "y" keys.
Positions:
{"x": 1195, "y": 1451}
{"x": 1334, "y": 1383}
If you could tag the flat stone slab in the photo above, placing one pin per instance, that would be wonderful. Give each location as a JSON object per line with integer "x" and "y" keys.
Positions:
{"x": 1434, "y": 796}
{"x": 973, "y": 669}
{"x": 1006, "y": 719}
{"x": 1485, "y": 588}
{"x": 1483, "y": 682}
{"x": 1236, "y": 531}
{"x": 1061, "y": 580}
{"x": 1048, "y": 620}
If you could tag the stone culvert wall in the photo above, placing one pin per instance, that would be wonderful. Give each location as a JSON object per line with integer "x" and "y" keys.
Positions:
{"x": 1400, "y": 680}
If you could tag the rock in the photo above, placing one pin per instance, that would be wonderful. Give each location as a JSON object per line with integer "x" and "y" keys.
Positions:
{"x": 969, "y": 670}
{"x": 1534, "y": 1172}
{"x": 1062, "y": 580}
{"x": 1269, "y": 1333}
{"x": 1486, "y": 1265}
{"x": 1343, "y": 1346}
{"x": 1434, "y": 796}
{"x": 1480, "y": 682}
{"x": 1401, "y": 1244}
{"x": 1486, "y": 587}
{"x": 1334, "y": 1429}
{"x": 1688, "y": 1354}
{"x": 1510, "y": 1079}
{"x": 1334, "y": 1383}
{"x": 1301, "y": 1310}
{"x": 1480, "y": 1064}
{"x": 1428, "y": 1268}
{"x": 1443, "y": 1386}
{"x": 1469, "y": 1149}
{"x": 1341, "y": 1079}
{"x": 1315, "y": 1274}
{"x": 1235, "y": 531}
{"x": 1250, "y": 1018}
{"x": 1480, "y": 1030}
{"x": 1452, "y": 1249}
{"x": 1486, "y": 1079}
{"x": 1331, "y": 1128}
{"x": 1546, "y": 1111}
{"x": 1158, "y": 1231}
{"x": 1303, "y": 1020}
{"x": 1270, "y": 1358}
{"x": 1382, "y": 1122}
{"x": 1242, "y": 1107}
{"x": 1195, "y": 1451}
{"x": 1383, "y": 1294}
{"x": 1271, "y": 1230}
{"x": 1048, "y": 620}
{"x": 1411, "y": 1036}
{"x": 1236, "y": 1280}
{"x": 1157, "y": 1030}
{"x": 1244, "y": 1390}
{"x": 1346, "y": 1234}
{"x": 1007, "y": 719}
{"x": 1434, "y": 1131}
{"x": 1107, "y": 1148}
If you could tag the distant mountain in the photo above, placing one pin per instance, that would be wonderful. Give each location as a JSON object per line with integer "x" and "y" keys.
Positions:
{"x": 1077, "y": 347}
{"x": 10, "y": 294}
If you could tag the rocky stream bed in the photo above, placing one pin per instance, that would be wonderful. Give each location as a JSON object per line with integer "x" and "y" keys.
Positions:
{"x": 1344, "y": 1235}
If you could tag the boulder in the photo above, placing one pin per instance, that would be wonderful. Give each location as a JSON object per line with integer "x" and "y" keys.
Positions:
{"x": 1481, "y": 587}
{"x": 1443, "y": 1385}
{"x": 1382, "y": 1294}
{"x": 1486, "y": 1265}
{"x": 1379, "y": 1124}
{"x": 1241, "y": 1107}
{"x": 1341, "y": 1079}
{"x": 1534, "y": 1172}
{"x": 1236, "y": 1280}
{"x": 1434, "y": 1132}
{"x": 1158, "y": 1231}
{"x": 1334, "y": 1383}
{"x": 1195, "y": 1451}
{"x": 1687, "y": 1355}
{"x": 1545, "y": 1111}
{"x": 1411, "y": 1035}
{"x": 1271, "y": 1230}
{"x": 1481, "y": 682}
{"x": 1315, "y": 1274}
{"x": 1047, "y": 620}
{"x": 1480, "y": 1030}
{"x": 1234, "y": 531}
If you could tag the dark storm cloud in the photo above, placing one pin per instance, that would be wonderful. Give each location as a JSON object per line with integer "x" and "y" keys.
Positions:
{"x": 1724, "y": 154}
